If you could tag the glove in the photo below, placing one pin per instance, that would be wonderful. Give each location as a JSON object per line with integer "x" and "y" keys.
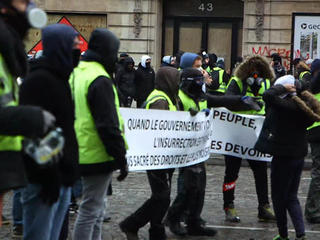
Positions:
{"x": 252, "y": 103}
{"x": 49, "y": 195}
{"x": 193, "y": 112}
{"x": 48, "y": 121}
{"x": 123, "y": 173}
{"x": 206, "y": 111}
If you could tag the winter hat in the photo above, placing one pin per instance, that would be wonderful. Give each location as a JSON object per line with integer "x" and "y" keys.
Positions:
{"x": 123, "y": 55}
{"x": 315, "y": 66}
{"x": 167, "y": 59}
{"x": 220, "y": 64}
{"x": 187, "y": 59}
{"x": 287, "y": 79}
{"x": 144, "y": 58}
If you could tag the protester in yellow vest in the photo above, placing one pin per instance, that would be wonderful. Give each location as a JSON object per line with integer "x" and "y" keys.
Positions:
{"x": 251, "y": 78}
{"x": 99, "y": 129}
{"x": 301, "y": 70}
{"x": 191, "y": 198}
{"x": 14, "y": 120}
{"x": 312, "y": 208}
{"x": 163, "y": 97}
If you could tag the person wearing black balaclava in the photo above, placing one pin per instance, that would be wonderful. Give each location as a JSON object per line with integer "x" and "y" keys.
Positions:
{"x": 46, "y": 198}
{"x": 15, "y": 19}
{"x": 99, "y": 129}
{"x": 191, "y": 197}
{"x": 144, "y": 80}
{"x": 125, "y": 77}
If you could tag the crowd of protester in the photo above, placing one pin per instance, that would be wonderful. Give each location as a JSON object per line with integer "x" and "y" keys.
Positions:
{"x": 82, "y": 94}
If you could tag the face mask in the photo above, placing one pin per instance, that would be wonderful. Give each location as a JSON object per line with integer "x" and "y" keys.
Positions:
{"x": 22, "y": 21}
{"x": 254, "y": 79}
{"x": 148, "y": 64}
{"x": 76, "y": 57}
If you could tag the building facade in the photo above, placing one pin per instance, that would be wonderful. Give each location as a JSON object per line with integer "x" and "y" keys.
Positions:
{"x": 229, "y": 28}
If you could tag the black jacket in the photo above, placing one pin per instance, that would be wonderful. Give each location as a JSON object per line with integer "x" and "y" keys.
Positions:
{"x": 144, "y": 82}
{"x": 125, "y": 79}
{"x": 47, "y": 88}
{"x": 314, "y": 133}
{"x": 26, "y": 121}
{"x": 101, "y": 102}
{"x": 285, "y": 126}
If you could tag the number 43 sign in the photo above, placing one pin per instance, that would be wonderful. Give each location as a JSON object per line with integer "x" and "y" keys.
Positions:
{"x": 206, "y": 7}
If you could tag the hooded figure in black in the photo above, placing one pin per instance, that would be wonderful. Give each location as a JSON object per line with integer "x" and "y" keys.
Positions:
{"x": 47, "y": 86}
{"x": 144, "y": 80}
{"x": 125, "y": 78}
{"x": 190, "y": 197}
{"x": 15, "y": 120}
{"x": 155, "y": 208}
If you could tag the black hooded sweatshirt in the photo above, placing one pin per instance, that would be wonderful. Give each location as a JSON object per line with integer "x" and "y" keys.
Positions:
{"x": 25, "y": 121}
{"x": 125, "y": 79}
{"x": 103, "y": 48}
{"x": 145, "y": 82}
{"x": 47, "y": 86}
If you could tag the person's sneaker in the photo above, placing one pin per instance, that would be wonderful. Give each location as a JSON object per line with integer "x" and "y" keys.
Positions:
{"x": 106, "y": 219}
{"x": 17, "y": 231}
{"x": 5, "y": 221}
{"x": 266, "y": 214}
{"x": 278, "y": 237}
{"x": 73, "y": 208}
{"x": 176, "y": 228}
{"x": 201, "y": 231}
{"x": 129, "y": 234}
{"x": 231, "y": 214}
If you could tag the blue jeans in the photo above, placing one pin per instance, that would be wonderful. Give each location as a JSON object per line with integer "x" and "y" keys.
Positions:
{"x": 17, "y": 207}
{"x": 41, "y": 221}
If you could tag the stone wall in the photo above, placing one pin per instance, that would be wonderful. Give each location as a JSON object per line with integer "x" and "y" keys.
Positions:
{"x": 137, "y": 23}
{"x": 267, "y": 25}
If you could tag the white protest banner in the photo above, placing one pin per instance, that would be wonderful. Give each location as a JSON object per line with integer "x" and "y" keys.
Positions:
{"x": 159, "y": 139}
{"x": 235, "y": 134}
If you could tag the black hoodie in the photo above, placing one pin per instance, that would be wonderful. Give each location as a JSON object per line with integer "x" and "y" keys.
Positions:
{"x": 125, "y": 78}
{"x": 47, "y": 86}
{"x": 103, "y": 48}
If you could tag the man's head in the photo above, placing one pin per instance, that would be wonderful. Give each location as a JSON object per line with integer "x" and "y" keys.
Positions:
{"x": 21, "y": 15}
{"x": 189, "y": 59}
{"x": 315, "y": 67}
{"x": 61, "y": 46}
{"x": 104, "y": 45}
{"x": 146, "y": 61}
{"x": 192, "y": 81}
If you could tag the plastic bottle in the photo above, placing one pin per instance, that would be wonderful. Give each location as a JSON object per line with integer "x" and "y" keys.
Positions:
{"x": 45, "y": 151}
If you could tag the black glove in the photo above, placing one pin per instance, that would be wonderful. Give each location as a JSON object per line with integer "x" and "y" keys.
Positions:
{"x": 123, "y": 173}
{"x": 193, "y": 112}
{"x": 206, "y": 111}
{"x": 49, "y": 193}
{"x": 252, "y": 103}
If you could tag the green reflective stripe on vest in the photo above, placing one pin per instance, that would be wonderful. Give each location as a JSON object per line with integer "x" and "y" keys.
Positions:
{"x": 188, "y": 102}
{"x": 8, "y": 97}
{"x": 91, "y": 148}
{"x": 156, "y": 95}
{"x": 316, "y": 124}
{"x": 302, "y": 74}
{"x": 265, "y": 85}
{"x": 208, "y": 69}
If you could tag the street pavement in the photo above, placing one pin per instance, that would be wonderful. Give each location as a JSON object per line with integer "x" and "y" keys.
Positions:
{"x": 130, "y": 194}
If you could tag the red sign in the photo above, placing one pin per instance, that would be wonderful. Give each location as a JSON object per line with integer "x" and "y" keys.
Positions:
{"x": 83, "y": 43}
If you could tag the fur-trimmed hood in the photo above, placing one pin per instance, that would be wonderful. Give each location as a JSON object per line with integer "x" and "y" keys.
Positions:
{"x": 259, "y": 63}
{"x": 309, "y": 104}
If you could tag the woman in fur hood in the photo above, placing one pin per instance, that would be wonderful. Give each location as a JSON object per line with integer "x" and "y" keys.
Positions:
{"x": 251, "y": 78}
{"x": 290, "y": 109}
